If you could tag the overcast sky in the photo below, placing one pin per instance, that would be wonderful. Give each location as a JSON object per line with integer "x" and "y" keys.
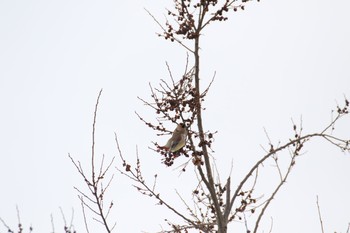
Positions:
{"x": 275, "y": 61}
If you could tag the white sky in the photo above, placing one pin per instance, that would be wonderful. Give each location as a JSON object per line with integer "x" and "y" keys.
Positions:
{"x": 275, "y": 61}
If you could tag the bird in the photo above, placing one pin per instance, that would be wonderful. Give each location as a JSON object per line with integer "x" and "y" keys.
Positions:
{"x": 178, "y": 139}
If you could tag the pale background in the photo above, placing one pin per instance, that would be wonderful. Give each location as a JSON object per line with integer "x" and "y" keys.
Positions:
{"x": 275, "y": 61}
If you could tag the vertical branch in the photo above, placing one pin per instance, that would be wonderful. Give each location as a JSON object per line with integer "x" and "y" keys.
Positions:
{"x": 319, "y": 214}
{"x": 228, "y": 196}
{"x": 20, "y": 228}
{"x": 93, "y": 138}
{"x": 94, "y": 199}
{"x": 210, "y": 181}
{"x": 95, "y": 181}
{"x": 52, "y": 224}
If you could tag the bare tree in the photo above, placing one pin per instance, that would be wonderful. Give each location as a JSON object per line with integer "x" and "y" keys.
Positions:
{"x": 180, "y": 101}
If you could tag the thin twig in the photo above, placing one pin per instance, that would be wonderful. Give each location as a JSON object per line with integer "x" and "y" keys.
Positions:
{"x": 5, "y": 225}
{"x": 63, "y": 217}
{"x": 271, "y": 225}
{"x": 52, "y": 223}
{"x": 93, "y": 138}
{"x": 71, "y": 220}
{"x": 164, "y": 30}
{"x": 18, "y": 215}
{"x": 319, "y": 214}
{"x": 84, "y": 215}
{"x": 274, "y": 193}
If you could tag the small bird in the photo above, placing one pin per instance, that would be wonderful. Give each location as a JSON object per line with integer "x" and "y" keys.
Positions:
{"x": 178, "y": 139}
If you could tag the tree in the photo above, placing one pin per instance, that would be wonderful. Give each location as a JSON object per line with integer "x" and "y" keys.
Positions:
{"x": 180, "y": 101}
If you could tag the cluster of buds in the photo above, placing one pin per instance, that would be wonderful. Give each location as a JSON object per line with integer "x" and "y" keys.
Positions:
{"x": 190, "y": 17}
{"x": 174, "y": 102}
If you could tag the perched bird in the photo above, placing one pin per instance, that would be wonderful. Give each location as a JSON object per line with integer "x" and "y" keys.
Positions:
{"x": 178, "y": 139}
